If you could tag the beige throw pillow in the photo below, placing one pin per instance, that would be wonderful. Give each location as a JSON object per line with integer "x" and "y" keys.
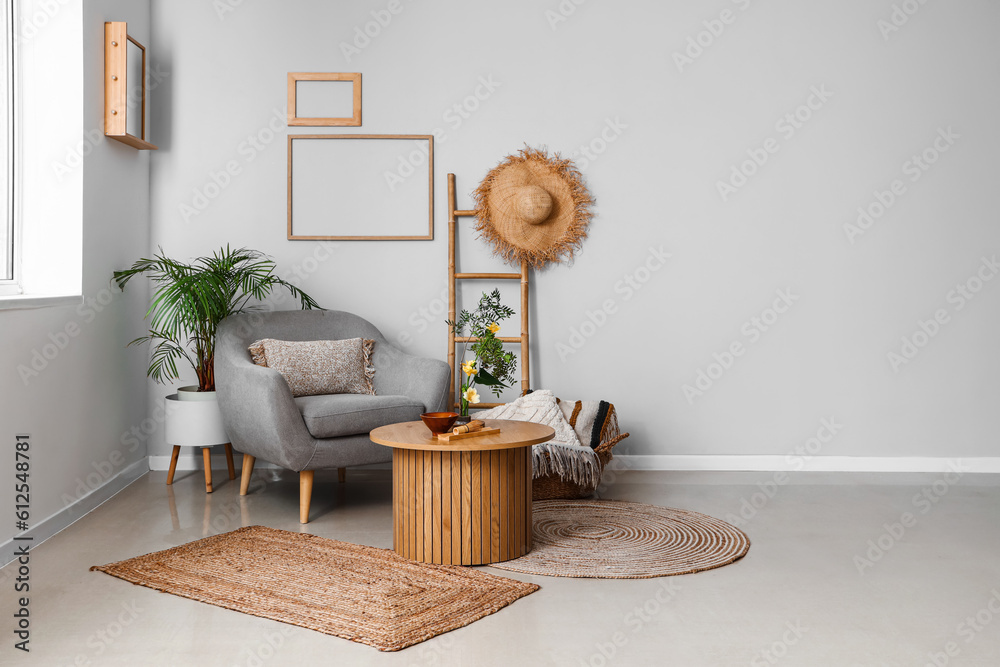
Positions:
{"x": 319, "y": 366}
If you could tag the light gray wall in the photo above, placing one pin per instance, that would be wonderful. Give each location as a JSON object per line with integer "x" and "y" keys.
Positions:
{"x": 87, "y": 397}
{"x": 670, "y": 134}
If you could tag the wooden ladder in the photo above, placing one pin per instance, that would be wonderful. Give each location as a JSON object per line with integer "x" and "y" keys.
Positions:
{"x": 453, "y": 214}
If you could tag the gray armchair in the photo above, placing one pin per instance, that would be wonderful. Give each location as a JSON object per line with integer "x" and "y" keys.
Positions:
{"x": 304, "y": 434}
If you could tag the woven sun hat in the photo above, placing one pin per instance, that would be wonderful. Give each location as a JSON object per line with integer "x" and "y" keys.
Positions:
{"x": 532, "y": 207}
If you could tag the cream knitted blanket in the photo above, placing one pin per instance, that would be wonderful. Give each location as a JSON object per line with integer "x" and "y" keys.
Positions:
{"x": 563, "y": 455}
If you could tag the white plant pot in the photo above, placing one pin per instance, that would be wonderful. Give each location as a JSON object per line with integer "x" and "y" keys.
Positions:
{"x": 191, "y": 393}
{"x": 194, "y": 422}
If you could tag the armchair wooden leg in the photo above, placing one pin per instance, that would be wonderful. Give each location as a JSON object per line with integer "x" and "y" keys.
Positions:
{"x": 229, "y": 460}
{"x": 305, "y": 494}
{"x": 206, "y": 453}
{"x": 247, "y": 471}
{"x": 341, "y": 475}
{"x": 173, "y": 464}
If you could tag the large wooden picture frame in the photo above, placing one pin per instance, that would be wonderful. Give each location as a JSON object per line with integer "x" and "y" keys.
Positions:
{"x": 341, "y": 187}
{"x": 295, "y": 120}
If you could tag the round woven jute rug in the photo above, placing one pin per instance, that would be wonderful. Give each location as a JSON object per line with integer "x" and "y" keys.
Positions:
{"x": 609, "y": 539}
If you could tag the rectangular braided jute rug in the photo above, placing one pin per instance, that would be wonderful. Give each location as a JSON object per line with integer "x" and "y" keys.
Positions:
{"x": 364, "y": 594}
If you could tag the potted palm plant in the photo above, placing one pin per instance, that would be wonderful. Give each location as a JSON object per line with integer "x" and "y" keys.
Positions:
{"x": 189, "y": 301}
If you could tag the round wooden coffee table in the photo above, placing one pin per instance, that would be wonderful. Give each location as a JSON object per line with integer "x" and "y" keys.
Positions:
{"x": 466, "y": 502}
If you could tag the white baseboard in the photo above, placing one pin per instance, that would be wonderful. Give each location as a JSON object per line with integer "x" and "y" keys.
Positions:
{"x": 665, "y": 462}
{"x": 194, "y": 461}
{"x": 989, "y": 464}
{"x": 48, "y": 527}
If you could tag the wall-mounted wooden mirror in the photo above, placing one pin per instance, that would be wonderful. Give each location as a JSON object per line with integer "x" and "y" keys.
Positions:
{"x": 125, "y": 87}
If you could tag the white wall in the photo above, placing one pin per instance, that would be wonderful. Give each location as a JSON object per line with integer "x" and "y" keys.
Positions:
{"x": 84, "y": 392}
{"x": 611, "y": 65}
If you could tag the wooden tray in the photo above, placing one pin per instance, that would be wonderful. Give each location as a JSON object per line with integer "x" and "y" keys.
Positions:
{"x": 448, "y": 437}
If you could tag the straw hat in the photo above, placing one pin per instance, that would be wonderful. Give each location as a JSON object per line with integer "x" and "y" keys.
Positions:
{"x": 533, "y": 208}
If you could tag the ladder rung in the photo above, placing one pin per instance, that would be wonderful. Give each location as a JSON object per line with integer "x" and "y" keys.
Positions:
{"x": 465, "y": 213}
{"x": 487, "y": 276}
{"x": 478, "y": 406}
{"x": 473, "y": 339}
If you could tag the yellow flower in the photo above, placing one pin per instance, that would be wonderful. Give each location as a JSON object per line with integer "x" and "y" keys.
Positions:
{"x": 471, "y": 395}
{"x": 494, "y": 327}
{"x": 469, "y": 367}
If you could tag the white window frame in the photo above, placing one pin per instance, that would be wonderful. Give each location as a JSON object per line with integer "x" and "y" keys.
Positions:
{"x": 49, "y": 117}
{"x": 11, "y": 284}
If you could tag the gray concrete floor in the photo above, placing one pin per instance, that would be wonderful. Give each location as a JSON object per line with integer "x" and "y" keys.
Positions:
{"x": 844, "y": 569}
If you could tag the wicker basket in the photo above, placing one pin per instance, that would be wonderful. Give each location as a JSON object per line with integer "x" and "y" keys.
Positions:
{"x": 552, "y": 486}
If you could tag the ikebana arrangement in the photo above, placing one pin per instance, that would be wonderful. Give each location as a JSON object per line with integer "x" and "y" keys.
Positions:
{"x": 490, "y": 366}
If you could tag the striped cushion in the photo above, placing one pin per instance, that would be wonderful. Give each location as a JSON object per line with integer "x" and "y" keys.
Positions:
{"x": 591, "y": 420}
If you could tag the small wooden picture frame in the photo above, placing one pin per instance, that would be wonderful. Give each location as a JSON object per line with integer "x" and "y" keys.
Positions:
{"x": 295, "y": 120}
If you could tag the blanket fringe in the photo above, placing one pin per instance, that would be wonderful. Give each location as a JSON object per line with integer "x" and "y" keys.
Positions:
{"x": 579, "y": 465}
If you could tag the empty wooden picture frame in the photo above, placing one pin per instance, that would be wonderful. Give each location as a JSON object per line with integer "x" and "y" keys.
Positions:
{"x": 354, "y": 120}
{"x": 361, "y": 187}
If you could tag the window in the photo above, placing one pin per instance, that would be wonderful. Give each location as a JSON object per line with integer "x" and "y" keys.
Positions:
{"x": 42, "y": 96}
{"x": 8, "y": 229}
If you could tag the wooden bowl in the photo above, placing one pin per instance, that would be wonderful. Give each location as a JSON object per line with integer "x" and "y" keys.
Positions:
{"x": 439, "y": 422}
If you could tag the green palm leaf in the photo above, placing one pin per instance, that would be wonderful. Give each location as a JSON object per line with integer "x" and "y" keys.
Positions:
{"x": 191, "y": 299}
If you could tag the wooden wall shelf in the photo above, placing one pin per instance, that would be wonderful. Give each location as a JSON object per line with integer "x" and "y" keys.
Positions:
{"x": 118, "y": 86}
